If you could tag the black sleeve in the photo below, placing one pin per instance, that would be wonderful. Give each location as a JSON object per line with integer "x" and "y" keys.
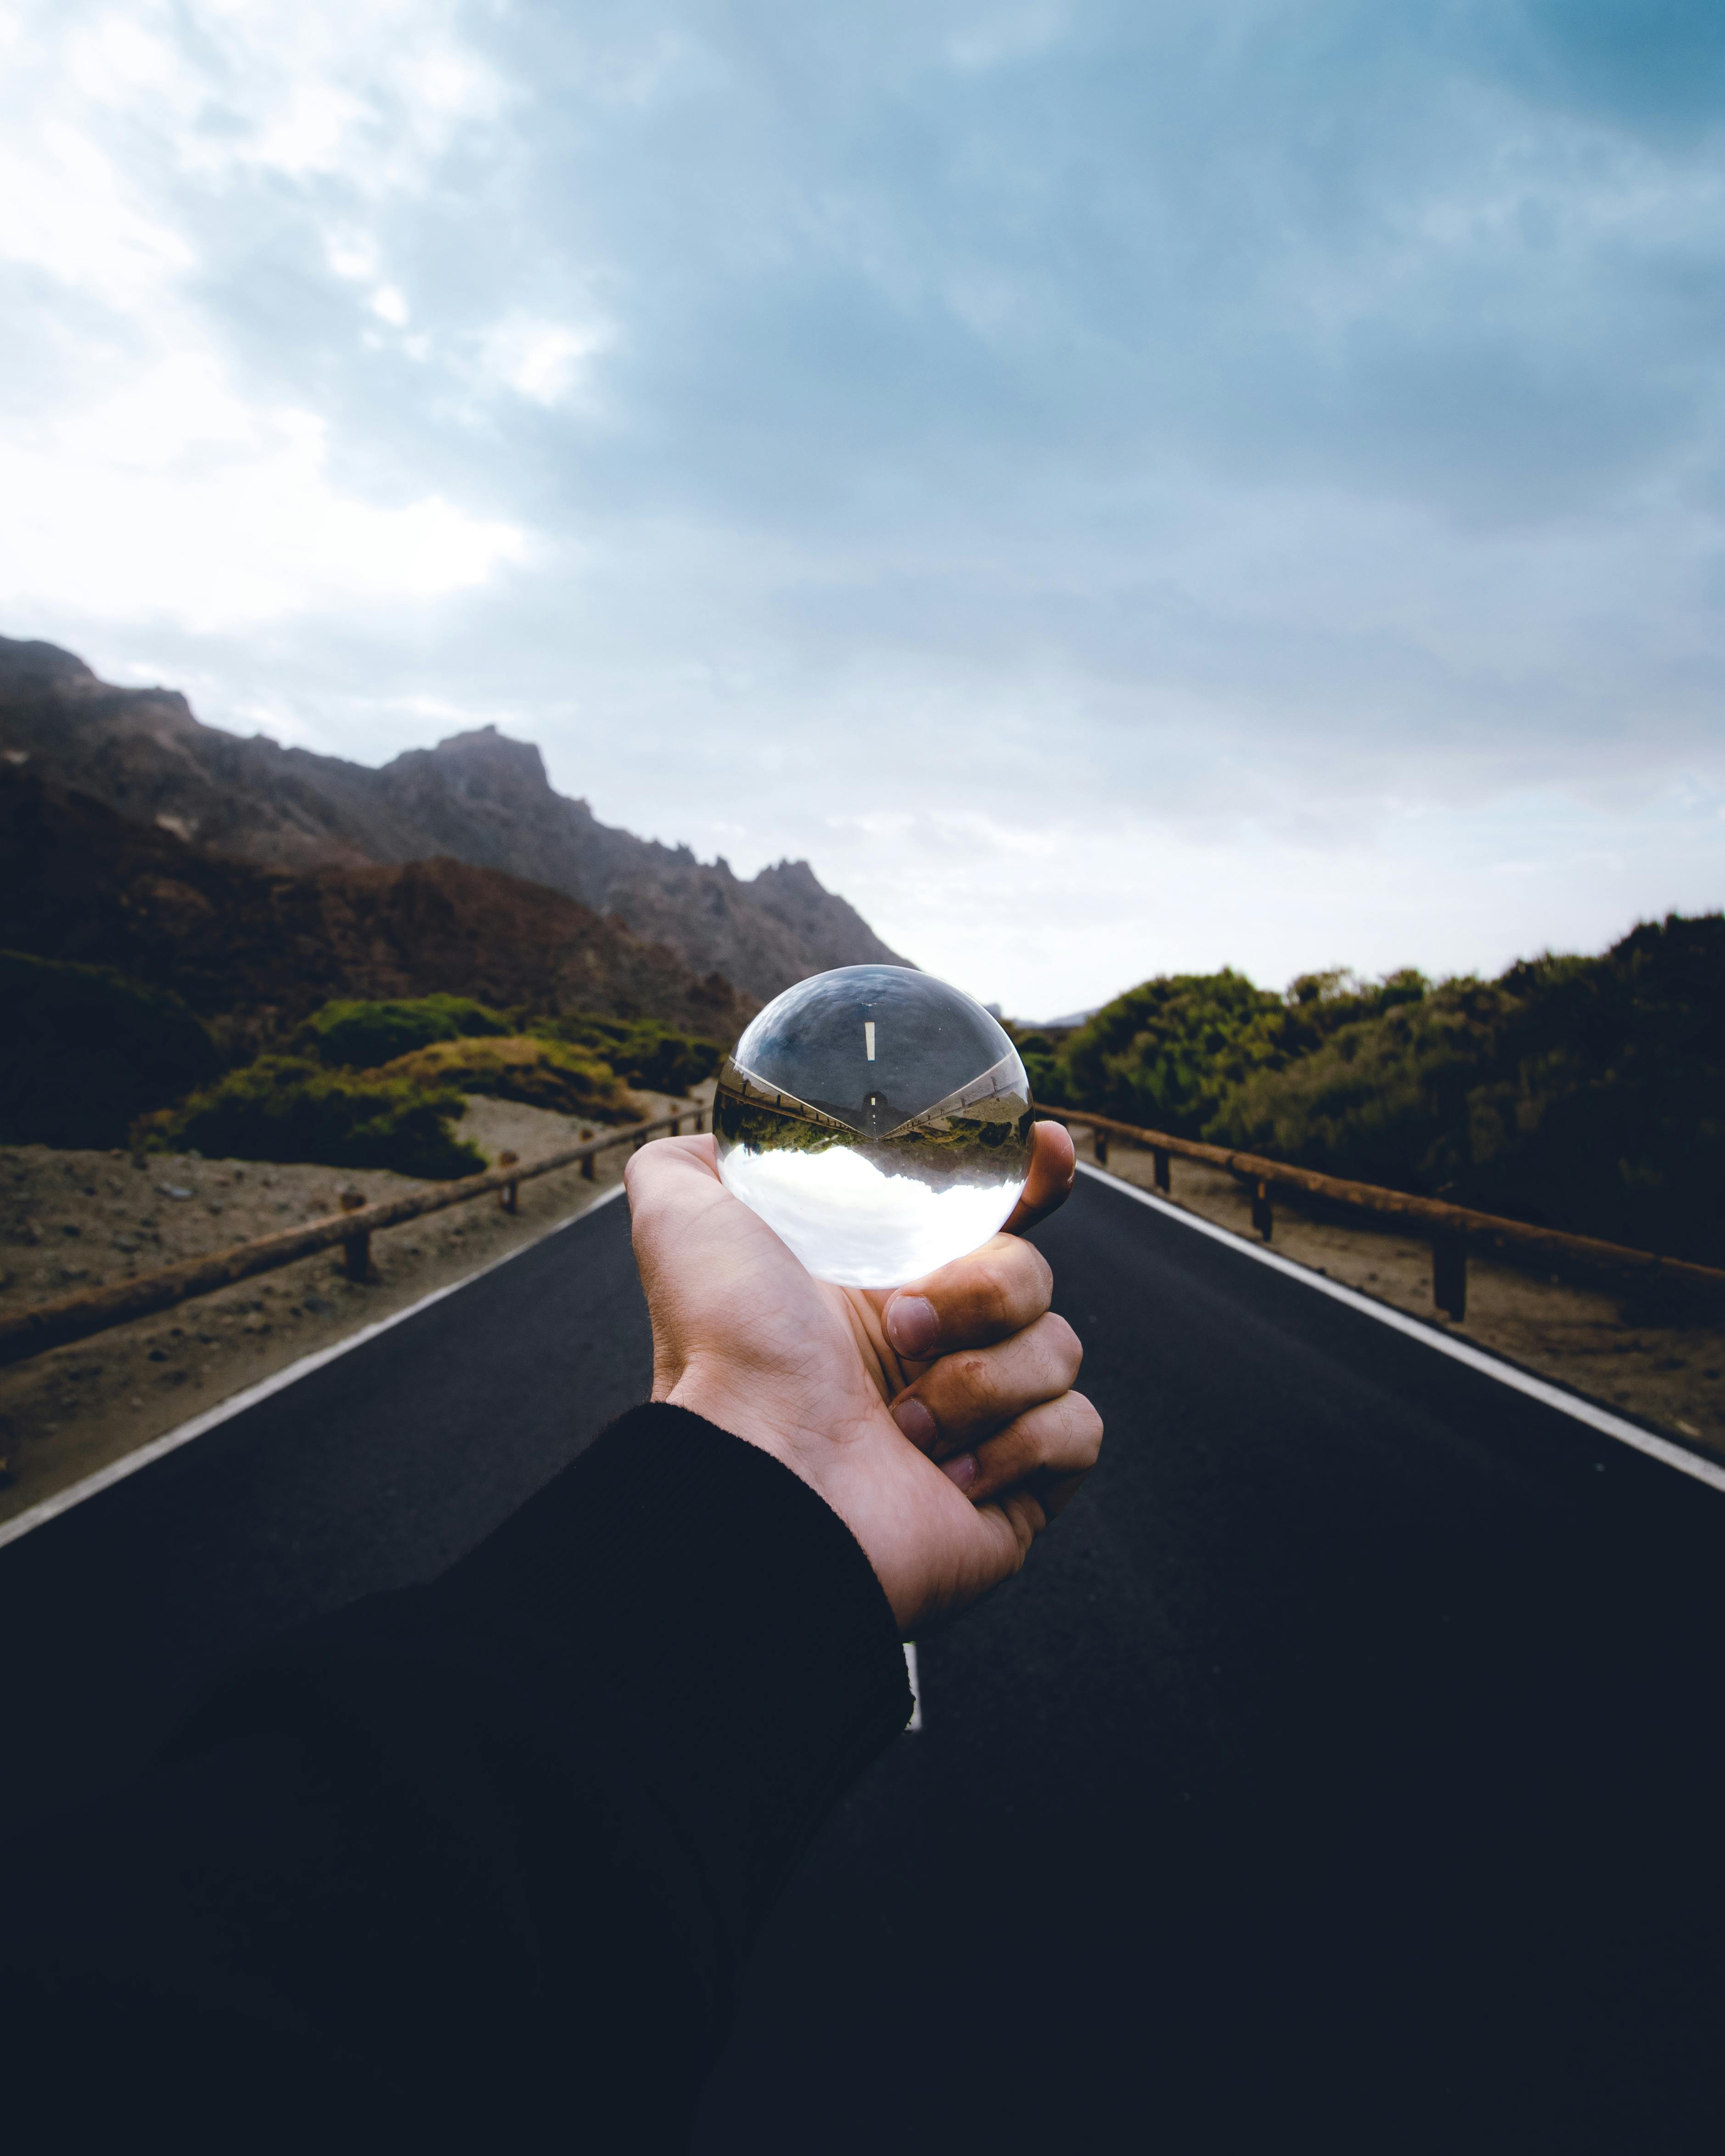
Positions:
{"x": 475, "y": 1865}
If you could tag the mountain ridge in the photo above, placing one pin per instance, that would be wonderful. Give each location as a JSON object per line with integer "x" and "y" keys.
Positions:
{"x": 252, "y": 950}
{"x": 478, "y": 796}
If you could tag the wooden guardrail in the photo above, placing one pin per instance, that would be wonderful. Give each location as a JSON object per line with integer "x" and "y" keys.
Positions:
{"x": 28, "y": 1332}
{"x": 1451, "y": 1230}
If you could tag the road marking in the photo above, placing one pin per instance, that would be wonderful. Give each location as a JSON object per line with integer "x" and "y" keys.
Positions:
{"x": 1460, "y": 1350}
{"x": 51, "y": 1508}
{"x": 915, "y": 1720}
{"x": 868, "y": 1037}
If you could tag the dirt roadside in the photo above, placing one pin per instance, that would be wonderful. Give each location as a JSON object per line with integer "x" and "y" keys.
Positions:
{"x": 1670, "y": 1375}
{"x": 71, "y": 1220}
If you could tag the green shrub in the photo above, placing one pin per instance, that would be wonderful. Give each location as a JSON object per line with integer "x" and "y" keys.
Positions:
{"x": 363, "y": 1036}
{"x": 644, "y": 1050}
{"x": 1588, "y": 1094}
{"x": 543, "y": 1074}
{"x": 290, "y": 1108}
{"x": 83, "y": 1051}
{"x": 1164, "y": 1054}
{"x": 1040, "y": 1053}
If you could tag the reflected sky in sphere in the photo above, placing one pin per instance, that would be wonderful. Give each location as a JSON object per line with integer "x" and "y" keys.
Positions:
{"x": 878, "y": 1120}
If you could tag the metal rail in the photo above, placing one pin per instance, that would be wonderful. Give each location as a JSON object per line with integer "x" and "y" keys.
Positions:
{"x": 28, "y": 1332}
{"x": 1453, "y": 1229}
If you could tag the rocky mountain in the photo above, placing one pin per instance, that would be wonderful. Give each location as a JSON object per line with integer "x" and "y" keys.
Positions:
{"x": 478, "y": 797}
{"x": 254, "y": 950}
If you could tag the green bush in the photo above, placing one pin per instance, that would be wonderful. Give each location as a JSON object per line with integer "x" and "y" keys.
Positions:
{"x": 363, "y": 1036}
{"x": 542, "y": 1074}
{"x": 644, "y": 1050}
{"x": 1588, "y": 1094}
{"x": 83, "y": 1051}
{"x": 1039, "y": 1055}
{"x": 1164, "y": 1054}
{"x": 1169, "y": 1053}
{"x": 290, "y": 1108}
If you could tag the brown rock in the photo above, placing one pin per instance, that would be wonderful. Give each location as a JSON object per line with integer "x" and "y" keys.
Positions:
{"x": 256, "y": 950}
{"x": 477, "y": 797}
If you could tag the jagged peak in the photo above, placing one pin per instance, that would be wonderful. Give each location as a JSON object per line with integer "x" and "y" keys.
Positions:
{"x": 796, "y": 875}
{"x": 486, "y": 745}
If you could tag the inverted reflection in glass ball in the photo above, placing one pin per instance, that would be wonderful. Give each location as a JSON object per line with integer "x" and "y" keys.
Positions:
{"x": 878, "y": 1120}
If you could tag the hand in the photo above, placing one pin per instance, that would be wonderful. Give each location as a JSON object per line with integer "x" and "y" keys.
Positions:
{"x": 937, "y": 1419}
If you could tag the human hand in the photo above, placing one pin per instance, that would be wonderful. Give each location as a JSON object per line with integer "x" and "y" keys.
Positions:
{"x": 937, "y": 1419}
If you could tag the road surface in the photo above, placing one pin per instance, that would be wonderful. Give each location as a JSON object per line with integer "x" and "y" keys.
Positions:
{"x": 1347, "y": 1771}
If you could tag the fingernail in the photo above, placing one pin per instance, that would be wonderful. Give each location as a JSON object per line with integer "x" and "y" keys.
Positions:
{"x": 916, "y": 1423}
{"x": 912, "y": 1325}
{"x": 963, "y": 1469}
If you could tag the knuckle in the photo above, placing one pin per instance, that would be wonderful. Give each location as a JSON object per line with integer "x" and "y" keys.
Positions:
{"x": 1063, "y": 1342}
{"x": 994, "y": 1288}
{"x": 974, "y": 1372}
{"x": 1090, "y": 1425}
{"x": 1022, "y": 1277}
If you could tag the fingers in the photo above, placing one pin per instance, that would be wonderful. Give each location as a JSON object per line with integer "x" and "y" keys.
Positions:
{"x": 966, "y": 1396}
{"x": 1046, "y": 1452}
{"x": 1054, "y": 1170}
{"x": 994, "y": 1292}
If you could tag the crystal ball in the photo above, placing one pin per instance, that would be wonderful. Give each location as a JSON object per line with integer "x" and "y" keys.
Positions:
{"x": 878, "y": 1120}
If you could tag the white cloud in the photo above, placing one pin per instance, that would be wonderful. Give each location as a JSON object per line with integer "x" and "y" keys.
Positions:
{"x": 544, "y": 361}
{"x": 65, "y": 210}
{"x": 175, "y": 498}
{"x": 163, "y": 488}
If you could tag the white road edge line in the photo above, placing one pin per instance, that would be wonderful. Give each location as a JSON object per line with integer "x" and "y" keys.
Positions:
{"x": 51, "y": 1508}
{"x": 911, "y": 1672}
{"x": 1460, "y": 1350}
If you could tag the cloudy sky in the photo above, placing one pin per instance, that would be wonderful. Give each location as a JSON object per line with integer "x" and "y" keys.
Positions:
{"x": 1119, "y": 487}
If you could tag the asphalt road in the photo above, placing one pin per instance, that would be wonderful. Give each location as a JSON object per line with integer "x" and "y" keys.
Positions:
{"x": 1347, "y": 1771}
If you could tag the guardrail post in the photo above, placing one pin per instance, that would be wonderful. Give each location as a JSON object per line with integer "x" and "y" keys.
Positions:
{"x": 506, "y": 1195}
{"x": 1164, "y": 1181}
{"x": 1448, "y": 1274}
{"x": 1099, "y": 1146}
{"x": 356, "y": 1250}
{"x": 1261, "y": 1217}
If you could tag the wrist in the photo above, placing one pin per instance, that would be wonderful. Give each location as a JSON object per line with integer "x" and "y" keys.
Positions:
{"x": 737, "y": 1401}
{"x": 726, "y": 1398}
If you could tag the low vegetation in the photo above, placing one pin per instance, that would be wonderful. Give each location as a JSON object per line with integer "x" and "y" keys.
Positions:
{"x": 1585, "y": 1093}
{"x": 292, "y": 1108}
{"x": 364, "y": 1036}
{"x": 367, "y": 1085}
{"x": 642, "y": 1050}
{"x": 83, "y": 1051}
{"x": 542, "y": 1074}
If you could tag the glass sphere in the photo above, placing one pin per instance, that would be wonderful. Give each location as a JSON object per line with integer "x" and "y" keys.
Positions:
{"x": 878, "y": 1120}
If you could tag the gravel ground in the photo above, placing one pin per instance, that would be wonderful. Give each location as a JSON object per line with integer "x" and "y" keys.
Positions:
{"x": 1669, "y": 1376}
{"x": 71, "y": 1220}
